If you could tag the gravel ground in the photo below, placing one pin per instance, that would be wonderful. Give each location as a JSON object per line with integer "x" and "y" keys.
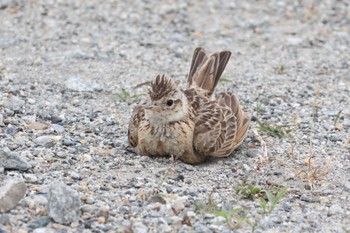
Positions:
{"x": 67, "y": 75}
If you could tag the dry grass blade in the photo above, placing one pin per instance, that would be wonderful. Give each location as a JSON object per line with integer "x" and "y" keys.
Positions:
{"x": 263, "y": 157}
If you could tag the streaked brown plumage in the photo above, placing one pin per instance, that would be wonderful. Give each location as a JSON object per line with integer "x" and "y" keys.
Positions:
{"x": 189, "y": 124}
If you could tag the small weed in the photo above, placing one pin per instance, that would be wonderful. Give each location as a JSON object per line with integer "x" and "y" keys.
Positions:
{"x": 267, "y": 207}
{"x": 224, "y": 80}
{"x": 248, "y": 192}
{"x": 258, "y": 107}
{"x": 125, "y": 96}
{"x": 210, "y": 206}
{"x": 276, "y": 131}
{"x": 280, "y": 69}
{"x": 337, "y": 117}
{"x": 234, "y": 218}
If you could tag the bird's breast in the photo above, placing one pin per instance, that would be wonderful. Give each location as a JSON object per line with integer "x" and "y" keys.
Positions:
{"x": 174, "y": 138}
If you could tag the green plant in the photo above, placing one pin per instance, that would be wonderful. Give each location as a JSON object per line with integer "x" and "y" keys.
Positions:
{"x": 224, "y": 80}
{"x": 280, "y": 69}
{"x": 276, "y": 131}
{"x": 248, "y": 192}
{"x": 125, "y": 96}
{"x": 268, "y": 206}
{"x": 234, "y": 217}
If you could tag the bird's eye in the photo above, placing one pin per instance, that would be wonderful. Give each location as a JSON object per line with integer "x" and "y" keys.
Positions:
{"x": 169, "y": 103}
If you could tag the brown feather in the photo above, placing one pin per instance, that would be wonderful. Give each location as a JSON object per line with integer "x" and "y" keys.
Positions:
{"x": 205, "y": 72}
{"x": 161, "y": 87}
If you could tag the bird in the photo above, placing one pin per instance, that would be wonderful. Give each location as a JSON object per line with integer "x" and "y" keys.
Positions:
{"x": 193, "y": 124}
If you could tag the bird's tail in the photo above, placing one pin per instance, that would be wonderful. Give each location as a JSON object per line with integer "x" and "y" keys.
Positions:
{"x": 206, "y": 71}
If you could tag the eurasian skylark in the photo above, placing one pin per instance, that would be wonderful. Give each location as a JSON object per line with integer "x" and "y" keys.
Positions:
{"x": 190, "y": 124}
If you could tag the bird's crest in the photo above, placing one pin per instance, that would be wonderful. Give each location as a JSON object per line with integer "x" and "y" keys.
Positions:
{"x": 162, "y": 86}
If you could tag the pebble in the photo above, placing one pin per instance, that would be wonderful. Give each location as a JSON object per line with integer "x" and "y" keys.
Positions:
{"x": 11, "y": 192}
{"x": 81, "y": 84}
{"x": 47, "y": 140}
{"x": 336, "y": 209}
{"x": 12, "y": 160}
{"x": 68, "y": 142}
{"x": 39, "y": 222}
{"x": 63, "y": 203}
{"x": 57, "y": 128}
{"x": 30, "y": 178}
{"x": 157, "y": 199}
{"x": 14, "y": 103}
{"x": 307, "y": 198}
{"x": 139, "y": 228}
{"x": 252, "y": 153}
{"x": 37, "y": 126}
{"x": 2, "y": 120}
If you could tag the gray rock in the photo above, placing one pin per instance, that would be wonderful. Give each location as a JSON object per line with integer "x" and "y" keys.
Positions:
{"x": 14, "y": 103}
{"x": 336, "y": 209}
{"x": 11, "y": 160}
{"x": 45, "y": 230}
{"x": 253, "y": 153}
{"x": 2, "y": 120}
{"x": 78, "y": 83}
{"x": 63, "y": 203}
{"x": 68, "y": 142}
{"x": 47, "y": 140}
{"x": 4, "y": 219}
{"x": 4, "y": 229}
{"x": 139, "y": 228}
{"x": 39, "y": 222}
{"x": 198, "y": 227}
{"x": 57, "y": 128}
{"x": 307, "y": 198}
{"x": 11, "y": 193}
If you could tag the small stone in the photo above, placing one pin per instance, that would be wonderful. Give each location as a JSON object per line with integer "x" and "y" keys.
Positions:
{"x": 336, "y": 209}
{"x": 2, "y": 120}
{"x": 63, "y": 203}
{"x": 11, "y": 160}
{"x": 14, "y": 103}
{"x": 4, "y": 219}
{"x": 198, "y": 227}
{"x": 81, "y": 84}
{"x": 55, "y": 119}
{"x": 335, "y": 138}
{"x": 325, "y": 200}
{"x": 57, "y": 128}
{"x": 37, "y": 126}
{"x": 10, "y": 131}
{"x": 308, "y": 198}
{"x": 75, "y": 175}
{"x": 68, "y": 142}
{"x": 253, "y": 153}
{"x": 157, "y": 199}
{"x": 179, "y": 205}
{"x": 39, "y": 222}
{"x": 45, "y": 230}
{"x": 47, "y": 140}
{"x": 338, "y": 126}
{"x": 30, "y": 178}
{"x": 139, "y": 228}
{"x": 101, "y": 220}
{"x": 3, "y": 229}
{"x": 11, "y": 193}
{"x": 103, "y": 212}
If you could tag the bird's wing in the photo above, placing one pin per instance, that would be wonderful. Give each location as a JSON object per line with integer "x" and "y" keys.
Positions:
{"x": 220, "y": 126}
{"x": 137, "y": 115}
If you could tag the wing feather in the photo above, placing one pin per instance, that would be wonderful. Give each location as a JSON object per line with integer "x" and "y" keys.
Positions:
{"x": 137, "y": 115}
{"x": 220, "y": 126}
